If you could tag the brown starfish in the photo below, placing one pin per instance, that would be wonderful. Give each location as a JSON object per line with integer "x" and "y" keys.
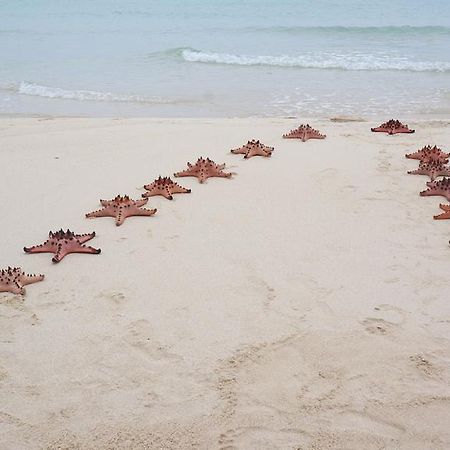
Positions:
{"x": 429, "y": 154}
{"x": 253, "y": 148}
{"x": 121, "y": 208}
{"x": 304, "y": 132}
{"x": 432, "y": 169}
{"x": 204, "y": 169}
{"x": 441, "y": 187}
{"x": 61, "y": 243}
{"x": 392, "y": 127}
{"x": 164, "y": 186}
{"x": 444, "y": 215}
{"x": 13, "y": 279}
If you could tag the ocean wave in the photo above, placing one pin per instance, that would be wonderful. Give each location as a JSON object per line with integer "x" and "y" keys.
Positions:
{"x": 370, "y": 30}
{"x": 37, "y": 90}
{"x": 351, "y": 61}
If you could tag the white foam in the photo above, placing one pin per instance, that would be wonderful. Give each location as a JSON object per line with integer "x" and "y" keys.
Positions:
{"x": 26, "y": 88}
{"x": 352, "y": 61}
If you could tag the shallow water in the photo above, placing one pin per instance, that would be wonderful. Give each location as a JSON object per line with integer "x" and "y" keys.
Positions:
{"x": 206, "y": 58}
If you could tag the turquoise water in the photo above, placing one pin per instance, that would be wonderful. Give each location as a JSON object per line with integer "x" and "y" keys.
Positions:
{"x": 234, "y": 58}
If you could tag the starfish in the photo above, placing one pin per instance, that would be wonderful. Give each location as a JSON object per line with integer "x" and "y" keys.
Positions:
{"x": 204, "y": 169}
{"x": 444, "y": 215}
{"x": 304, "y": 132}
{"x": 165, "y": 187}
{"x": 441, "y": 187}
{"x": 61, "y": 243}
{"x": 432, "y": 169}
{"x": 121, "y": 208}
{"x": 392, "y": 127}
{"x": 253, "y": 148}
{"x": 429, "y": 154}
{"x": 14, "y": 279}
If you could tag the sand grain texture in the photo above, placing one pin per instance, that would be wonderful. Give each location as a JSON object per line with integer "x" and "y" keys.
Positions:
{"x": 302, "y": 304}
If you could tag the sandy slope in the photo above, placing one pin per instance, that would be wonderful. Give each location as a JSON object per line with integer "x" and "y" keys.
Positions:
{"x": 303, "y": 304}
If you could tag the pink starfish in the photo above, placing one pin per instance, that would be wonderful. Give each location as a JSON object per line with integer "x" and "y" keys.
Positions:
{"x": 392, "y": 127}
{"x": 204, "y": 169}
{"x": 441, "y": 187}
{"x": 13, "y": 279}
{"x": 121, "y": 208}
{"x": 444, "y": 215}
{"x": 432, "y": 169}
{"x": 304, "y": 132}
{"x": 253, "y": 148}
{"x": 429, "y": 154}
{"x": 61, "y": 243}
{"x": 165, "y": 187}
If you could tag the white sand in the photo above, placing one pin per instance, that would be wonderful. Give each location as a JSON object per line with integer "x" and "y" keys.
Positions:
{"x": 303, "y": 304}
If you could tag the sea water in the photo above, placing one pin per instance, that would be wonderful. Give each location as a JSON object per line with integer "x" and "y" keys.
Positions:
{"x": 231, "y": 58}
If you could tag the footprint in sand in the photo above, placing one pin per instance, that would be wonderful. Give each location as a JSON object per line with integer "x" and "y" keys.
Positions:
{"x": 116, "y": 297}
{"x": 378, "y": 326}
{"x": 424, "y": 366}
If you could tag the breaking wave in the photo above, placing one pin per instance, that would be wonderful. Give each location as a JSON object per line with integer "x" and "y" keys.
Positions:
{"x": 37, "y": 90}
{"x": 349, "y": 61}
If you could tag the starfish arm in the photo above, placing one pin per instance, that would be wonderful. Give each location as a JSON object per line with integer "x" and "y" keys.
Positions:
{"x": 82, "y": 238}
{"x": 185, "y": 173}
{"x": 418, "y": 172}
{"x": 130, "y": 211}
{"x": 177, "y": 189}
{"x": 444, "y": 172}
{"x": 25, "y": 279}
{"x": 46, "y": 247}
{"x": 379, "y": 130}
{"x": 74, "y": 247}
{"x": 142, "y": 202}
{"x": 156, "y": 191}
{"x": 402, "y": 130}
{"x": 432, "y": 192}
{"x": 239, "y": 151}
{"x": 12, "y": 287}
{"x": 104, "y": 212}
{"x": 442, "y": 216}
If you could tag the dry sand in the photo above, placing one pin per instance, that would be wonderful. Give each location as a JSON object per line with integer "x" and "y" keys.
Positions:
{"x": 302, "y": 304}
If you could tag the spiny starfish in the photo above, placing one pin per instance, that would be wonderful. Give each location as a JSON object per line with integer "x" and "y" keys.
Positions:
{"x": 204, "y": 169}
{"x": 61, "y": 243}
{"x": 164, "y": 186}
{"x": 121, "y": 208}
{"x": 304, "y": 132}
{"x": 444, "y": 215}
{"x": 13, "y": 279}
{"x": 392, "y": 127}
{"x": 441, "y": 187}
{"x": 429, "y": 154}
{"x": 432, "y": 169}
{"x": 253, "y": 148}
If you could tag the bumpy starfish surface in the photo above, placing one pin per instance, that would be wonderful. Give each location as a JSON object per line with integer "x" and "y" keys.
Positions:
{"x": 253, "y": 148}
{"x": 392, "y": 127}
{"x": 304, "y": 132}
{"x": 61, "y": 243}
{"x": 121, "y": 208}
{"x": 429, "y": 154}
{"x": 13, "y": 279}
{"x": 432, "y": 169}
{"x": 204, "y": 169}
{"x": 444, "y": 215}
{"x": 164, "y": 186}
{"x": 441, "y": 187}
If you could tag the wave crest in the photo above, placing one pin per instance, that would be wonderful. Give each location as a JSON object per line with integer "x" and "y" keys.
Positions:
{"x": 351, "y": 61}
{"x": 37, "y": 90}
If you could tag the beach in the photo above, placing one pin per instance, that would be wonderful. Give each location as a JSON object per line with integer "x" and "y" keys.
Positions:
{"x": 300, "y": 304}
